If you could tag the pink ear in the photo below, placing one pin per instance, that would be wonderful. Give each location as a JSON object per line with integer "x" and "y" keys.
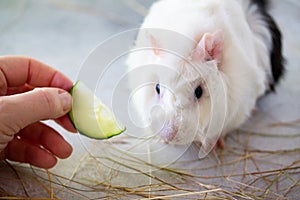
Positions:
{"x": 210, "y": 47}
{"x": 154, "y": 44}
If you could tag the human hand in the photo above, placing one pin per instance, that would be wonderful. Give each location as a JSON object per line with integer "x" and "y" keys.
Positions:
{"x": 31, "y": 91}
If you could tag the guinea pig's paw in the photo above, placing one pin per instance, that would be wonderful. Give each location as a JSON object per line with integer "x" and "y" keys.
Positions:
{"x": 254, "y": 110}
{"x": 210, "y": 146}
{"x": 220, "y": 144}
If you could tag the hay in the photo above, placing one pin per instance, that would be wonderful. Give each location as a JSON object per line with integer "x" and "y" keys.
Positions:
{"x": 240, "y": 171}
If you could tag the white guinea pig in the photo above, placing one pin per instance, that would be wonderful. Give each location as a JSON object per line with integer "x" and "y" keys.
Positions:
{"x": 203, "y": 64}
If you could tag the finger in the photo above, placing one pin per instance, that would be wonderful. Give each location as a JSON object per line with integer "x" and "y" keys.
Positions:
{"x": 39, "y": 104}
{"x": 4, "y": 139}
{"x": 19, "y": 89}
{"x": 22, "y": 151}
{"x": 66, "y": 123}
{"x": 19, "y": 70}
{"x": 41, "y": 134}
{"x": 3, "y": 83}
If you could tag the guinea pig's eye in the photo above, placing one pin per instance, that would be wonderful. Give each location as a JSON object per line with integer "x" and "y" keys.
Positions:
{"x": 157, "y": 88}
{"x": 198, "y": 92}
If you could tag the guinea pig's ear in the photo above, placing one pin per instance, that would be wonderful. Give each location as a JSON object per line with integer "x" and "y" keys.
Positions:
{"x": 210, "y": 47}
{"x": 154, "y": 45}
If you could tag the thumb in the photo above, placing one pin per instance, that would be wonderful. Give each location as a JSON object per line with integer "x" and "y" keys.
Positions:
{"x": 38, "y": 104}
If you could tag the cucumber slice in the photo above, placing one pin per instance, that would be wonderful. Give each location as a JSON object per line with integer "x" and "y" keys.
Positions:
{"x": 90, "y": 116}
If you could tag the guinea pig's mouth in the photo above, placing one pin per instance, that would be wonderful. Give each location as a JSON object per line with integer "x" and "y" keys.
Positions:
{"x": 168, "y": 133}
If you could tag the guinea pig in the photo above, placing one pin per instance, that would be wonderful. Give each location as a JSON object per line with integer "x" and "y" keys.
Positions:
{"x": 198, "y": 67}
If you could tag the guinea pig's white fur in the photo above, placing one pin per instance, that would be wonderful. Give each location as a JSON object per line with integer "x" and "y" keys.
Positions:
{"x": 228, "y": 52}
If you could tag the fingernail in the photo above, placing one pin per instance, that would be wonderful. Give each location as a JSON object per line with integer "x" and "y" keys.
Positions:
{"x": 66, "y": 100}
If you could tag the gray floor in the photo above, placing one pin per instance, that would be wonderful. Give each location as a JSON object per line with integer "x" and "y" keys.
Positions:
{"x": 260, "y": 160}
